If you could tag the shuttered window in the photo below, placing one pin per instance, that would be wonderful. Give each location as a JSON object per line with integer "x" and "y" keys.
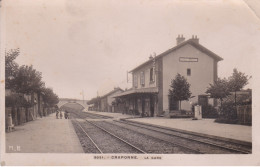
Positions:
{"x": 151, "y": 74}
{"x": 135, "y": 81}
{"x": 142, "y": 78}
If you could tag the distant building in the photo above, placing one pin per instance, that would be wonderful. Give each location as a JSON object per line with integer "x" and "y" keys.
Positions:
{"x": 152, "y": 79}
{"x": 107, "y": 99}
{"x": 94, "y": 104}
{"x": 104, "y": 103}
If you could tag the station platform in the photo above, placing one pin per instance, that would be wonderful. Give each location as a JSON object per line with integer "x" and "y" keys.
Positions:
{"x": 204, "y": 126}
{"x": 44, "y": 135}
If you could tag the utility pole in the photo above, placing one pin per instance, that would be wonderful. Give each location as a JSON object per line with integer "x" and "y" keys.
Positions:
{"x": 83, "y": 96}
{"x": 82, "y": 93}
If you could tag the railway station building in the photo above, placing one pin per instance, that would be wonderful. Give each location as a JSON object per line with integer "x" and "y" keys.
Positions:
{"x": 151, "y": 80}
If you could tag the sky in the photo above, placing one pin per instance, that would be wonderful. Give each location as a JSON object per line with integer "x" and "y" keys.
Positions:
{"x": 89, "y": 45}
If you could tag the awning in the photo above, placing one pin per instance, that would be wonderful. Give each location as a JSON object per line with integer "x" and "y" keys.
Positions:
{"x": 138, "y": 91}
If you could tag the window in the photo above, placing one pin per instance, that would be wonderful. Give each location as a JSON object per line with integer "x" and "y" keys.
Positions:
{"x": 142, "y": 78}
{"x": 151, "y": 74}
{"x": 188, "y": 72}
{"x": 135, "y": 81}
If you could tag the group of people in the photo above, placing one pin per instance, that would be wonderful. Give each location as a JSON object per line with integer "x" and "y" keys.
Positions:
{"x": 59, "y": 114}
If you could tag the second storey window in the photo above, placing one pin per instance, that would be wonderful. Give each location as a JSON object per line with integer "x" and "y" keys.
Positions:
{"x": 152, "y": 74}
{"x": 135, "y": 81}
{"x": 142, "y": 78}
{"x": 188, "y": 72}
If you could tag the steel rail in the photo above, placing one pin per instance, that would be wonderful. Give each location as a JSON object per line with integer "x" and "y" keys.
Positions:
{"x": 89, "y": 137}
{"x": 231, "y": 141}
{"x": 78, "y": 115}
{"x": 188, "y": 138}
{"x": 117, "y": 137}
{"x": 174, "y": 143}
{"x": 91, "y": 115}
{"x": 98, "y": 115}
{"x": 95, "y": 116}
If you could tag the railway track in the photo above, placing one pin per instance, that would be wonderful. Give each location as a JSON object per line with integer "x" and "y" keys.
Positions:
{"x": 97, "y": 116}
{"x": 89, "y": 146}
{"x": 172, "y": 143}
{"x": 102, "y": 141}
{"x": 148, "y": 143}
{"x": 85, "y": 115}
{"x": 232, "y": 146}
{"x": 191, "y": 142}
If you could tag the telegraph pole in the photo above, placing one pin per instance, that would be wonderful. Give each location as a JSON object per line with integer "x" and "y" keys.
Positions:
{"x": 83, "y": 96}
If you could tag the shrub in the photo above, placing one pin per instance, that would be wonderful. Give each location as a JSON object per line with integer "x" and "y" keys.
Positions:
{"x": 228, "y": 110}
{"x": 209, "y": 112}
{"x": 183, "y": 112}
{"x": 228, "y": 113}
{"x": 226, "y": 120}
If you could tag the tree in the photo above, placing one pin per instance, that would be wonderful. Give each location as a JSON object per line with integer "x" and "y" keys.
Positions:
{"x": 237, "y": 81}
{"x": 180, "y": 89}
{"x": 219, "y": 90}
{"x": 49, "y": 97}
{"x": 11, "y": 67}
{"x": 27, "y": 80}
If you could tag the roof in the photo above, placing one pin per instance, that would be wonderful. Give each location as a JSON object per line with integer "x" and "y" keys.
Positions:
{"x": 96, "y": 99}
{"x": 93, "y": 100}
{"x": 190, "y": 41}
{"x": 111, "y": 92}
{"x": 138, "y": 91}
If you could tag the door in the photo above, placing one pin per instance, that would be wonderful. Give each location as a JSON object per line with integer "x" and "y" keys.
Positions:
{"x": 152, "y": 106}
{"x": 143, "y": 106}
{"x": 173, "y": 104}
{"x": 203, "y": 100}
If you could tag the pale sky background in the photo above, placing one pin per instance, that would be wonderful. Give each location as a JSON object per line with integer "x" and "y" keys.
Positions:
{"x": 90, "y": 44}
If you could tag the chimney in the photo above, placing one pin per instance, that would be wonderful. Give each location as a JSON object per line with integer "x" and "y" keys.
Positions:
{"x": 151, "y": 57}
{"x": 195, "y": 39}
{"x": 180, "y": 39}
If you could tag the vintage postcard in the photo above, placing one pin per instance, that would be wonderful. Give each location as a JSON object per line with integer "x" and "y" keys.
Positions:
{"x": 133, "y": 82}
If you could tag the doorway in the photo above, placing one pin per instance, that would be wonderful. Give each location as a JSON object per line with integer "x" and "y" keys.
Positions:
{"x": 173, "y": 104}
{"x": 152, "y": 106}
{"x": 143, "y": 107}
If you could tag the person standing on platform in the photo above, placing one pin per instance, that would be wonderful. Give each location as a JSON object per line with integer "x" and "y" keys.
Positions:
{"x": 68, "y": 115}
{"x": 61, "y": 115}
{"x": 57, "y": 114}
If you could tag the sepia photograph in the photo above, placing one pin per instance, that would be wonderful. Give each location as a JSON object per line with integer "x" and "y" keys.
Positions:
{"x": 133, "y": 82}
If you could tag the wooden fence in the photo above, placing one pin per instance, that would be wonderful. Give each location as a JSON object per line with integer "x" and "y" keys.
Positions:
{"x": 244, "y": 114}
